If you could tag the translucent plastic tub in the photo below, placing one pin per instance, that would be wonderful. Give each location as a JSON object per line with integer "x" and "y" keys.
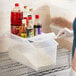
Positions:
{"x": 36, "y": 52}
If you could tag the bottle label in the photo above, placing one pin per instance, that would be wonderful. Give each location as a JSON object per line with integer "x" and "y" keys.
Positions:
{"x": 30, "y": 24}
{"x": 24, "y": 35}
{"x": 39, "y": 31}
{"x": 15, "y": 29}
{"x": 30, "y": 32}
{"x": 16, "y": 17}
{"x": 34, "y": 31}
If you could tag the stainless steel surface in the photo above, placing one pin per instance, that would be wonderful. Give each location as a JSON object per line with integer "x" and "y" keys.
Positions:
{"x": 9, "y": 67}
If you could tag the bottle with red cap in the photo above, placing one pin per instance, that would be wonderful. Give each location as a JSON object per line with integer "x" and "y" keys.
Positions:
{"x": 30, "y": 13}
{"x": 37, "y": 26}
{"x": 30, "y": 27}
{"x": 25, "y": 11}
{"x": 24, "y": 28}
{"x": 16, "y": 19}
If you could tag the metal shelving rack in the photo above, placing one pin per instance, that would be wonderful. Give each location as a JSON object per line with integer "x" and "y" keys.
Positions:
{"x": 9, "y": 67}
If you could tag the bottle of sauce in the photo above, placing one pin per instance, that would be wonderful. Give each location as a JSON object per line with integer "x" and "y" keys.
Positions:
{"x": 23, "y": 30}
{"x": 30, "y": 13}
{"x": 16, "y": 19}
{"x": 30, "y": 27}
{"x": 25, "y": 11}
{"x": 37, "y": 26}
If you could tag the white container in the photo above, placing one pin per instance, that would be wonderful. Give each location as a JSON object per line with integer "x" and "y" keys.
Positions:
{"x": 49, "y": 46}
{"x": 38, "y": 54}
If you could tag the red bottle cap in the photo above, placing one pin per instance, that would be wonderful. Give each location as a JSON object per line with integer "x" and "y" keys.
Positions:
{"x": 37, "y": 16}
{"x": 25, "y": 17}
{"x": 26, "y": 20}
{"x": 25, "y": 6}
{"x": 30, "y": 18}
{"x": 16, "y": 4}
